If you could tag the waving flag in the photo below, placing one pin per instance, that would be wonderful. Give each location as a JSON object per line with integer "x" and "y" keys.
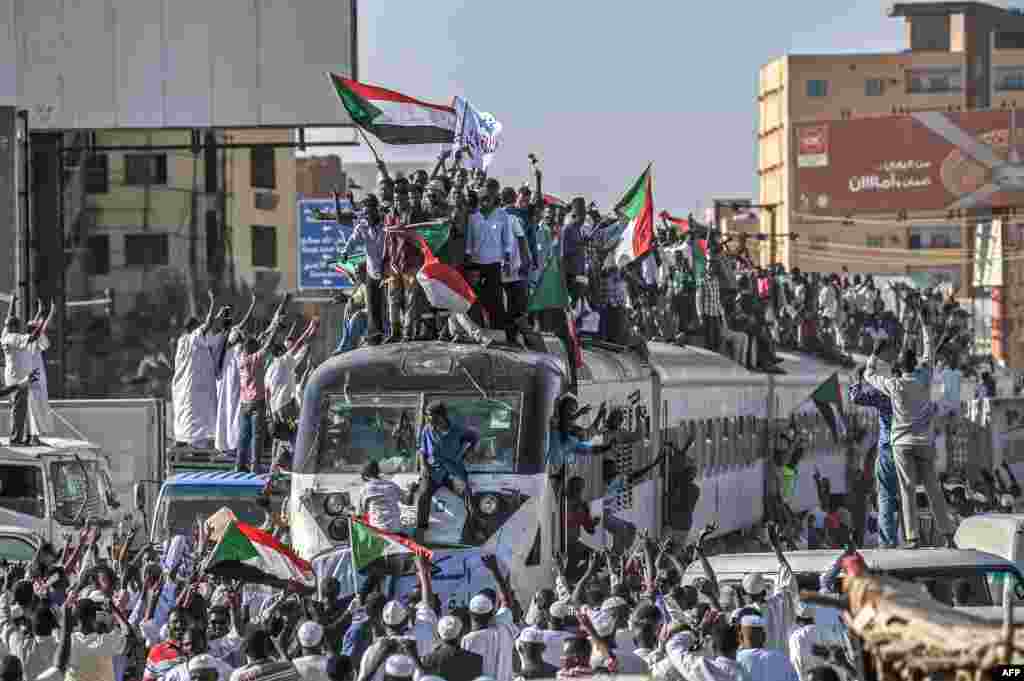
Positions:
{"x": 828, "y": 398}
{"x": 368, "y": 544}
{"x": 442, "y": 284}
{"x": 682, "y": 225}
{"x": 253, "y": 555}
{"x": 637, "y": 209}
{"x": 551, "y": 291}
{"x": 393, "y": 117}
{"x": 478, "y": 132}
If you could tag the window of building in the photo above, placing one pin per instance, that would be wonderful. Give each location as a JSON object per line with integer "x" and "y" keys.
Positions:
{"x": 874, "y": 87}
{"x": 931, "y": 81}
{"x": 935, "y": 236}
{"x": 1007, "y": 40}
{"x": 143, "y": 169}
{"x": 817, "y": 88}
{"x": 264, "y": 246}
{"x": 876, "y": 241}
{"x": 263, "y": 172}
{"x": 1009, "y": 78}
{"x": 930, "y": 32}
{"x": 819, "y": 243}
{"x": 99, "y": 254}
{"x": 97, "y": 174}
{"x": 146, "y": 250}
{"x": 915, "y": 241}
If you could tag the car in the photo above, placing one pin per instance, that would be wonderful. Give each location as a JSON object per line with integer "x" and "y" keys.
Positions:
{"x": 977, "y": 576}
{"x": 18, "y": 544}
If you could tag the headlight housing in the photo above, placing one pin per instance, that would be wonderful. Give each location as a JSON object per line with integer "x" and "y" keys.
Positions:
{"x": 335, "y": 504}
{"x": 488, "y": 504}
{"x": 338, "y": 529}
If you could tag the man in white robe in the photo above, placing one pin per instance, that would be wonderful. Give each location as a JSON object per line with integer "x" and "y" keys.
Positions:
{"x": 229, "y": 400}
{"x": 193, "y": 391}
{"x": 17, "y": 349}
{"x": 40, "y": 416}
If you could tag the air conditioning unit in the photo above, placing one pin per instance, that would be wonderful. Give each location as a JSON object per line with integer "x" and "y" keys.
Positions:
{"x": 266, "y": 200}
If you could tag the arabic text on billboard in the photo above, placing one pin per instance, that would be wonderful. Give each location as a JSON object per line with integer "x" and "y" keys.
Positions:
{"x": 926, "y": 161}
{"x": 320, "y": 241}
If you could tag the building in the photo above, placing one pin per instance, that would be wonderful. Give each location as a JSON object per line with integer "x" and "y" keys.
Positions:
{"x": 872, "y": 159}
{"x": 318, "y": 176}
{"x": 259, "y": 227}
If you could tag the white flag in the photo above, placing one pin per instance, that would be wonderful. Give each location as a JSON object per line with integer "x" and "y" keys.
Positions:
{"x": 477, "y": 133}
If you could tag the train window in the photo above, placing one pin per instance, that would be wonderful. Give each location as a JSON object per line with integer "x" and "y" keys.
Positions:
{"x": 496, "y": 420}
{"x": 366, "y": 428}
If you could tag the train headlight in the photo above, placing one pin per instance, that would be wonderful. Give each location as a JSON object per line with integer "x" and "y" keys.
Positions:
{"x": 335, "y": 504}
{"x": 338, "y": 529}
{"x": 488, "y": 504}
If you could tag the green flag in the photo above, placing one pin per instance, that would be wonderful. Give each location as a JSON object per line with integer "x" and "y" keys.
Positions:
{"x": 551, "y": 291}
{"x": 633, "y": 199}
{"x": 828, "y": 398}
{"x": 369, "y": 544}
{"x": 435, "y": 233}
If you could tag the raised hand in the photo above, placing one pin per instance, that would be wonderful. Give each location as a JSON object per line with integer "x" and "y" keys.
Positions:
{"x": 709, "y": 530}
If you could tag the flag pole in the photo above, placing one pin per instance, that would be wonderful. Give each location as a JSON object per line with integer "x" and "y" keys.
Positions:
{"x": 369, "y": 144}
{"x": 352, "y": 560}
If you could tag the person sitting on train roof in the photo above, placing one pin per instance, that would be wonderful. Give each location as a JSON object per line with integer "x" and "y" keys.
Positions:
{"x": 442, "y": 453}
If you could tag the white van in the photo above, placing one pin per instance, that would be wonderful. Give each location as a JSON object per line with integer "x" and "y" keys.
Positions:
{"x": 977, "y": 574}
{"x": 53, "y": 490}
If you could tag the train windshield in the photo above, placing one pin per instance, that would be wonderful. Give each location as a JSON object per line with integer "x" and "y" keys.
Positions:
{"x": 356, "y": 429}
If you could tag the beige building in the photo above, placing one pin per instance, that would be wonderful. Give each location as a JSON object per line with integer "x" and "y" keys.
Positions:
{"x": 961, "y": 56}
{"x": 260, "y": 211}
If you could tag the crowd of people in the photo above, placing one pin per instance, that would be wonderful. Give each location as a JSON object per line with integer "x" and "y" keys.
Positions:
{"x": 235, "y": 386}
{"x": 694, "y": 286}
{"x": 75, "y": 613}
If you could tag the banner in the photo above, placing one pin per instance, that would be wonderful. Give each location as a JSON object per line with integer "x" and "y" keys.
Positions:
{"x": 988, "y": 254}
{"x": 926, "y": 161}
{"x": 320, "y": 240}
{"x": 477, "y": 132}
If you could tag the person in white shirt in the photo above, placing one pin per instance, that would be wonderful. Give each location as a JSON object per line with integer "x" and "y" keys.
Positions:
{"x": 379, "y": 500}
{"x": 762, "y": 664}
{"x": 312, "y": 665}
{"x": 493, "y": 637}
{"x": 395, "y": 641}
{"x": 779, "y": 608}
{"x": 87, "y": 653}
{"x": 40, "y": 418}
{"x": 35, "y": 647}
{"x": 194, "y": 386}
{"x": 515, "y": 279}
{"x": 628, "y": 662}
{"x": 692, "y": 666}
{"x": 280, "y": 381}
{"x": 802, "y": 642}
{"x": 18, "y": 348}
{"x": 489, "y": 245}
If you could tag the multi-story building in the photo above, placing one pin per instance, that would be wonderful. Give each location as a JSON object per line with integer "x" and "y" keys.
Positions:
{"x": 866, "y": 179}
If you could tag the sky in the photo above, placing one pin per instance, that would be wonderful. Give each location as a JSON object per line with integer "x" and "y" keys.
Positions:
{"x": 597, "y": 89}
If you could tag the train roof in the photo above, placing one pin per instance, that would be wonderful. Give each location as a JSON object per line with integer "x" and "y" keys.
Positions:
{"x": 602, "y": 363}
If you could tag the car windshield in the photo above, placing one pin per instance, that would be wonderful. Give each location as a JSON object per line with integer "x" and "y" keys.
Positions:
{"x": 181, "y": 506}
{"x": 76, "y": 491}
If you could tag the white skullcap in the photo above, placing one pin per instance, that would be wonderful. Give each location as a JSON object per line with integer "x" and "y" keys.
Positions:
{"x": 310, "y": 634}
{"x": 394, "y": 614}
{"x": 752, "y": 621}
{"x": 559, "y": 610}
{"x": 481, "y": 605}
{"x": 201, "y": 663}
{"x": 754, "y": 583}
{"x": 449, "y": 628}
{"x": 401, "y": 666}
{"x": 614, "y": 602}
{"x": 604, "y": 623}
{"x": 531, "y": 635}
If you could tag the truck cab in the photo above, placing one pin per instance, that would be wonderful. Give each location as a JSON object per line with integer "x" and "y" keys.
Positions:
{"x": 184, "y": 497}
{"x": 55, "y": 489}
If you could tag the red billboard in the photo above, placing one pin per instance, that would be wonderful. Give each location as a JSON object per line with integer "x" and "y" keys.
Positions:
{"x": 928, "y": 161}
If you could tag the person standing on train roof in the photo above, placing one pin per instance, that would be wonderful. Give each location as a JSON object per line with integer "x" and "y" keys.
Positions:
{"x": 442, "y": 454}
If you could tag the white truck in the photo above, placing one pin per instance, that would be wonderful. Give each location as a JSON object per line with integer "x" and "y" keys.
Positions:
{"x": 56, "y": 489}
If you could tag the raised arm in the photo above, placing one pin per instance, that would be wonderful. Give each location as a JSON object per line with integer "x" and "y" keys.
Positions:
{"x": 581, "y": 586}
{"x": 209, "y": 314}
{"x": 508, "y": 598}
{"x": 248, "y": 313}
{"x": 311, "y": 329}
{"x": 10, "y": 309}
{"x": 702, "y": 555}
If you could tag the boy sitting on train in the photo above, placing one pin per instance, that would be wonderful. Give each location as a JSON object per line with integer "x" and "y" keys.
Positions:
{"x": 442, "y": 453}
